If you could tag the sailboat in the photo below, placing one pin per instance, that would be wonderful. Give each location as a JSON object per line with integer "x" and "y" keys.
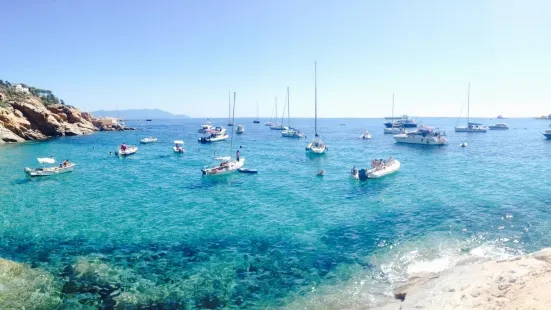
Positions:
{"x": 269, "y": 124}
{"x": 393, "y": 129}
{"x": 471, "y": 127}
{"x": 227, "y": 164}
{"x": 278, "y": 126}
{"x": 317, "y": 146}
{"x": 230, "y": 122}
{"x": 256, "y": 121}
{"x": 290, "y": 132}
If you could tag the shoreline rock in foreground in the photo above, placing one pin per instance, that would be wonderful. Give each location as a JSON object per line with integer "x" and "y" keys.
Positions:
{"x": 520, "y": 283}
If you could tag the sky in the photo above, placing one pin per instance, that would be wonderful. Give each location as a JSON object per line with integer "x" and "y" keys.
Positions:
{"x": 185, "y": 56}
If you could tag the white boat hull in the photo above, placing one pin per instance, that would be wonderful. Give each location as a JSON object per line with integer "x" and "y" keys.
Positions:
{"x": 365, "y": 136}
{"x": 44, "y": 172}
{"x": 498, "y": 128}
{"x": 292, "y": 134}
{"x": 233, "y": 166}
{"x": 148, "y": 140}
{"x": 471, "y": 129}
{"x": 129, "y": 151}
{"x": 310, "y": 148}
{"x": 386, "y": 169}
{"x": 394, "y": 131}
{"x": 417, "y": 139}
{"x": 178, "y": 150}
{"x": 214, "y": 139}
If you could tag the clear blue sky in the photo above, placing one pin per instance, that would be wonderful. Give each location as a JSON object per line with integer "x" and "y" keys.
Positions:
{"x": 184, "y": 56}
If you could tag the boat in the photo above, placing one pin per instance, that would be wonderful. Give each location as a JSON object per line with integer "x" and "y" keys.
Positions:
{"x": 405, "y": 122}
{"x": 256, "y": 121}
{"x": 65, "y": 167}
{"x": 277, "y": 125}
{"x": 547, "y": 133}
{"x": 423, "y": 135}
{"x": 125, "y": 150}
{"x": 366, "y": 135}
{"x": 464, "y": 144}
{"x": 230, "y": 122}
{"x": 227, "y": 164}
{"x": 246, "y": 170}
{"x": 215, "y": 135}
{"x": 148, "y": 140}
{"x": 317, "y": 146}
{"x": 179, "y": 146}
{"x": 240, "y": 129}
{"x": 500, "y": 117}
{"x": 290, "y": 132}
{"x": 205, "y": 127}
{"x": 148, "y": 120}
{"x": 471, "y": 127}
{"x": 394, "y": 130}
{"x": 379, "y": 169}
{"x": 499, "y": 126}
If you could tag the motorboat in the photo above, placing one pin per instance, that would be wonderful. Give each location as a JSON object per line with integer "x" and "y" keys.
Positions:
{"x": 66, "y": 166}
{"x": 148, "y": 120}
{"x": 366, "y": 135}
{"x": 292, "y": 133}
{"x": 226, "y": 166}
{"x": 179, "y": 146}
{"x": 205, "y": 128}
{"x": 394, "y": 130}
{"x": 125, "y": 150}
{"x": 256, "y": 121}
{"x": 215, "y": 135}
{"x": 464, "y": 144}
{"x": 405, "y": 122}
{"x": 269, "y": 124}
{"x": 547, "y": 133}
{"x": 500, "y": 117}
{"x": 499, "y": 126}
{"x": 240, "y": 129}
{"x": 355, "y": 174}
{"x": 471, "y": 127}
{"x": 148, "y": 140}
{"x": 423, "y": 135}
{"x": 379, "y": 169}
{"x": 317, "y": 146}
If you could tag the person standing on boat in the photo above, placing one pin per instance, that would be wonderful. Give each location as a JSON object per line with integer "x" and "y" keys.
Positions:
{"x": 237, "y": 155}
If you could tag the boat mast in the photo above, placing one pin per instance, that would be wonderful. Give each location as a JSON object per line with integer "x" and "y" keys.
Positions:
{"x": 229, "y": 106}
{"x": 469, "y": 104}
{"x": 232, "y": 120}
{"x": 283, "y": 115}
{"x": 257, "y": 110}
{"x": 316, "y": 99}
{"x": 288, "y": 108}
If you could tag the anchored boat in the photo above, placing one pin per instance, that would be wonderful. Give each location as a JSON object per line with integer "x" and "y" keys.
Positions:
{"x": 178, "y": 146}
{"x": 379, "y": 169}
{"x": 125, "y": 150}
{"x": 290, "y": 132}
{"x": 423, "y": 135}
{"x": 215, "y": 135}
{"x": 148, "y": 140}
{"x": 65, "y": 167}
{"x": 317, "y": 146}
{"x": 471, "y": 127}
{"x": 499, "y": 126}
{"x": 240, "y": 129}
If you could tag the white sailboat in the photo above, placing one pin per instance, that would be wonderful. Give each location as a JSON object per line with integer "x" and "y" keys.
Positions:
{"x": 471, "y": 127}
{"x": 227, "y": 164}
{"x": 393, "y": 129}
{"x": 290, "y": 132}
{"x": 277, "y": 125}
{"x": 269, "y": 123}
{"x": 317, "y": 146}
{"x": 230, "y": 122}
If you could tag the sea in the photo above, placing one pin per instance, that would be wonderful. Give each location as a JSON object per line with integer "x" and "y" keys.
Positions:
{"x": 148, "y": 231}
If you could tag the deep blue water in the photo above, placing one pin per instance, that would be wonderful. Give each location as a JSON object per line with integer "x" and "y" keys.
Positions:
{"x": 151, "y": 227}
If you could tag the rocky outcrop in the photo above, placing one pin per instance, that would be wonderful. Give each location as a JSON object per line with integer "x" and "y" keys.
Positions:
{"x": 519, "y": 283}
{"x": 26, "y": 118}
{"x": 22, "y": 287}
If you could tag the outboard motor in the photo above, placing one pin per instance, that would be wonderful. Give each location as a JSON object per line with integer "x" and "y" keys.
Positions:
{"x": 362, "y": 174}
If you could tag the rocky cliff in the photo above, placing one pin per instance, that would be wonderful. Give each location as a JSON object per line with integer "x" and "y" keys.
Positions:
{"x": 519, "y": 283}
{"x": 24, "y": 116}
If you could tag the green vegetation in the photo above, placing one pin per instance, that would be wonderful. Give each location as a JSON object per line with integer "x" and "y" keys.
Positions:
{"x": 46, "y": 96}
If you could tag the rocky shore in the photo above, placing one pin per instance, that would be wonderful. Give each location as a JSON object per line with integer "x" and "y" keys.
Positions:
{"x": 474, "y": 283}
{"x": 519, "y": 283}
{"x": 25, "y": 117}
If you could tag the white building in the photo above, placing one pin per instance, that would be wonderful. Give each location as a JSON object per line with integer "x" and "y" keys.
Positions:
{"x": 20, "y": 89}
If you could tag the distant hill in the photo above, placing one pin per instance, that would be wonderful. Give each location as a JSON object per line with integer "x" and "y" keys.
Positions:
{"x": 138, "y": 114}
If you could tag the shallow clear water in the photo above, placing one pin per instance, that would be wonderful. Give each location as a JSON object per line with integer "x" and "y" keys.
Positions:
{"x": 282, "y": 238}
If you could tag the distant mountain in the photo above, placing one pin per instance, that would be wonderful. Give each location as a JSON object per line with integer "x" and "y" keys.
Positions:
{"x": 138, "y": 114}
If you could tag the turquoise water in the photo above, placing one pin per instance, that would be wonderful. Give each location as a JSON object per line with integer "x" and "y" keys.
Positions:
{"x": 148, "y": 230}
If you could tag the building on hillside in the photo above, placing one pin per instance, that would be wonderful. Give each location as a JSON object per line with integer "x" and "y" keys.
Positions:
{"x": 21, "y": 89}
